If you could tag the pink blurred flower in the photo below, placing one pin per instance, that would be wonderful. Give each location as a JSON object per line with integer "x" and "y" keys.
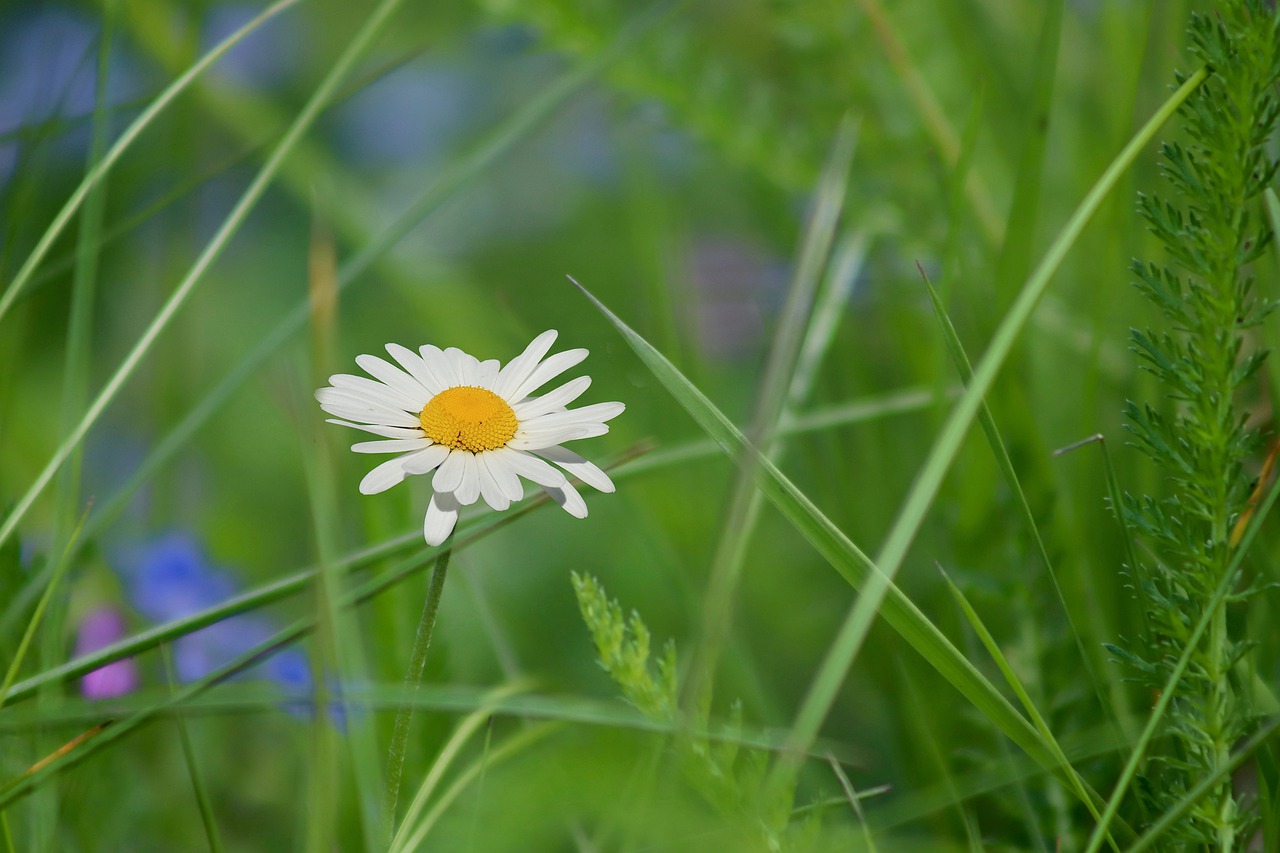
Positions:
{"x": 100, "y": 628}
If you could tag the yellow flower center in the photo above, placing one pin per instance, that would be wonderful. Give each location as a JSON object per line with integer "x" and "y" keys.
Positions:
{"x": 468, "y": 418}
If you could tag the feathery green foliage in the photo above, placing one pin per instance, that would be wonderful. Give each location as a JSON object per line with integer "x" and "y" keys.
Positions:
{"x": 730, "y": 779}
{"x": 1212, "y": 229}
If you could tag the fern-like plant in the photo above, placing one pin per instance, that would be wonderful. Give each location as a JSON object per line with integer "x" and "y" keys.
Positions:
{"x": 730, "y": 779}
{"x": 1213, "y": 229}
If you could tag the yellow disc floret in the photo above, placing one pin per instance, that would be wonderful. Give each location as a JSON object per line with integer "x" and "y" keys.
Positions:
{"x": 468, "y": 418}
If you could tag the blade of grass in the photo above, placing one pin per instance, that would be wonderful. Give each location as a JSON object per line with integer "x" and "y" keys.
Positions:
{"x": 513, "y": 746}
{"x": 448, "y": 753}
{"x": 745, "y": 502}
{"x": 844, "y": 649}
{"x": 843, "y": 555}
{"x": 1011, "y": 678}
{"x": 356, "y": 48}
{"x": 915, "y": 710}
{"x": 854, "y": 798}
{"x": 412, "y": 681}
{"x": 960, "y": 360}
{"x": 64, "y": 562}
{"x": 126, "y": 139}
{"x": 198, "y": 787}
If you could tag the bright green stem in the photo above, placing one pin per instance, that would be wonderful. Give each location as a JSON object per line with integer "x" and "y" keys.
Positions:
{"x": 412, "y": 679}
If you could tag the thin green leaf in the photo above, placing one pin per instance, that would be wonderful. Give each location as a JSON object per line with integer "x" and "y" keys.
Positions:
{"x": 843, "y": 555}
{"x": 126, "y": 139}
{"x": 359, "y": 43}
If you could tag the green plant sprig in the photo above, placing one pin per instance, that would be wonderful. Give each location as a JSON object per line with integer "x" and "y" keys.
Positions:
{"x": 1212, "y": 231}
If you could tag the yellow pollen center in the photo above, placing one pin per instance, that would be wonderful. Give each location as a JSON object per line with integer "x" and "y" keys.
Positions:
{"x": 468, "y": 418}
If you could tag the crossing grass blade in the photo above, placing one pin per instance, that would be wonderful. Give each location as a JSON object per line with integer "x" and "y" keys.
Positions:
{"x": 122, "y": 144}
{"x": 843, "y": 555}
{"x": 230, "y": 225}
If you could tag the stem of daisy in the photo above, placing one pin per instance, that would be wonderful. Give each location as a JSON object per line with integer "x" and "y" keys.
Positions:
{"x": 412, "y": 679}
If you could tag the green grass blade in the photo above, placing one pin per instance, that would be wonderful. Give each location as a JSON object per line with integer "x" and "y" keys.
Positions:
{"x": 844, "y": 649}
{"x": 64, "y": 562}
{"x": 212, "y": 250}
{"x": 198, "y": 786}
{"x": 960, "y": 360}
{"x": 448, "y": 754}
{"x": 139, "y": 124}
{"x": 510, "y": 748}
{"x": 843, "y": 555}
{"x": 776, "y": 385}
{"x": 1011, "y": 678}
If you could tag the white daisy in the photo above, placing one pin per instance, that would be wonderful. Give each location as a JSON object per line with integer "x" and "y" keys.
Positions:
{"x": 474, "y": 423}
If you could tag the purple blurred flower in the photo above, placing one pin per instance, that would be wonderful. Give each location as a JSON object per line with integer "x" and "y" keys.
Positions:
{"x": 98, "y": 629}
{"x": 733, "y": 283}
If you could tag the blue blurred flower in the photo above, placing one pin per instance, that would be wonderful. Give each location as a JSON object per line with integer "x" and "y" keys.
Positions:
{"x": 169, "y": 578}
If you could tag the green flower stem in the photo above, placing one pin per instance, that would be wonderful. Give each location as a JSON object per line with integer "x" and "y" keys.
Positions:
{"x": 412, "y": 680}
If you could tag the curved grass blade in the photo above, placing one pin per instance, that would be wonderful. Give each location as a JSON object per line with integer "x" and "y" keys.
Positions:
{"x": 848, "y": 642}
{"x": 1011, "y": 678}
{"x": 843, "y": 555}
{"x": 777, "y": 387}
{"x": 448, "y": 753}
{"x": 513, "y": 746}
{"x": 126, "y": 139}
{"x": 212, "y": 250}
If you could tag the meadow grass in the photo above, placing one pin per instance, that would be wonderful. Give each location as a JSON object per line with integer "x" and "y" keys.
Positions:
{"x": 810, "y": 247}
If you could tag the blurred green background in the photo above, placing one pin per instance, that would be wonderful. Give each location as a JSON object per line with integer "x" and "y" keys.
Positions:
{"x": 670, "y": 168}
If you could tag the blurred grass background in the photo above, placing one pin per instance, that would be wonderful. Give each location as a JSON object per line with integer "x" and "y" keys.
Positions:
{"x": 673, "y": 181}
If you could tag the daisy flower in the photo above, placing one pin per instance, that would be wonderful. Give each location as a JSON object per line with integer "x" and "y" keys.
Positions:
{"x": 474, "y": 423}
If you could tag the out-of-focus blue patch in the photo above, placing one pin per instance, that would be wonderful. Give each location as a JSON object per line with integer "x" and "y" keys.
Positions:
{"x": 170, "y": 578}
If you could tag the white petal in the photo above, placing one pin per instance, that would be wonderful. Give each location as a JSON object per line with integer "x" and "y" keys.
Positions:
{"x": 488, "y": 373}
{"x": 392, "y": 445}
{"x": 376, "y": 392}
{"x": 383, "y": 477}
{"x": 568, "y": 499}
{"x": 490, "y": 489}
{"x": 586, "y": 416}
{"x": 442, "y": 515}
{"x": 385, "y": 431}
{"x": 468, "y": 491}
{"x": 427, "y": 460}
{"x": 417, "y": 368}
{"x": 585, "y": 471}
{"x": 533, "y": 468}
{"x": 440, "y": 365}
{"x": 535, "y": 439}
{"x": 552, "y": 400}
{"x": 347, "y": 405}
{"x": 465, "y": 365}
{"x": 545, "y": 372}
{"x": 505, "y": 475}
{"x": 394, "y": 377}
{"x": 519, "y": 368}
{"x": 449, "y": 476}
